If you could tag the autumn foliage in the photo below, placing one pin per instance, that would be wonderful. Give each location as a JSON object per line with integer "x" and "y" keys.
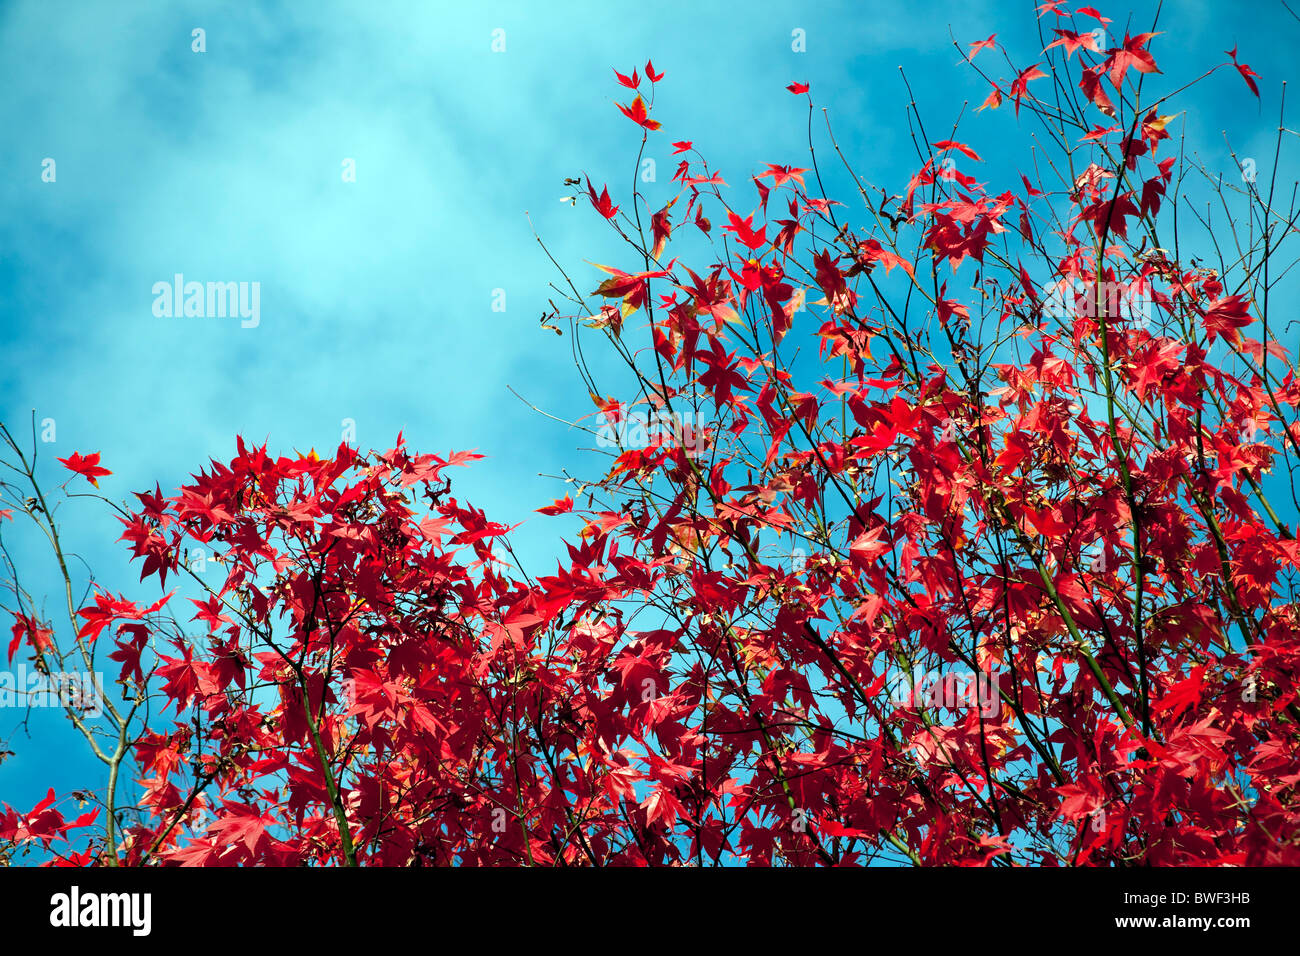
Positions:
{"x": 1032, "y": 434}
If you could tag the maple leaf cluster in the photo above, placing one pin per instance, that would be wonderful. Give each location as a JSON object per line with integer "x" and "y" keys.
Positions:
{"x": 1072, "y": 512}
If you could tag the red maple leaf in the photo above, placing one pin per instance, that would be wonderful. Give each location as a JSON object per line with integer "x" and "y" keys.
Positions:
{"x": 1246, "y": 72}
{"x": 947, "y": 144}
{"x": 872, "y": 251}
{"x": 1225, "y": 316}
{"x": 42, "y": 638}
{"x": 562, "y": 506}
{"x": 981, "y": 45}
{"x": 638, "y": 114}
{"x": 1074, "y": 41}
{"x": 1131, "y": 54}
{"x": 1090, "y": 83}
{"x": 992, "y": 101}
{"x": 743, "y": 228}
{"x": 87, "y": 467}
{"x": 1020, "y": 88}
{"x": 1109, "y": 217}
{"x": 240, "y": 823}
{"x": 602, "y": 202}
{"x": 783, "y": 174}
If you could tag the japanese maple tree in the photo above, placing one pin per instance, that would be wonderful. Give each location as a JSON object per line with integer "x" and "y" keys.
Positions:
{"x": 1030, "y": 437}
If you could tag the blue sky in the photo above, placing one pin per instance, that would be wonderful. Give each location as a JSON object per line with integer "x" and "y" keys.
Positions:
{"x": 376, "y": 296}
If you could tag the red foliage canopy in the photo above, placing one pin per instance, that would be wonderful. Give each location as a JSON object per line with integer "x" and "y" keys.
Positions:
{"x": 1050, "y": 509}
